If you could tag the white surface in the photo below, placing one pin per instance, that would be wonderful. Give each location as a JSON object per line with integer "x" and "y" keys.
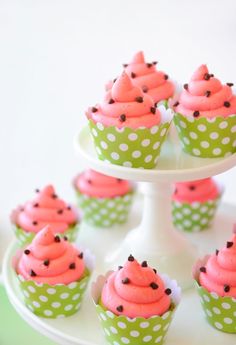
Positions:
{"x": 188, "y": 321}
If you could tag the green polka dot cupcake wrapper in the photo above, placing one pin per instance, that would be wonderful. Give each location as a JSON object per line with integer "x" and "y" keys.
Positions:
{"x": 220, "y": 311}
{"x": 194, "y": 217}
{"x": 25, "y": 237}
{"x": 119, "y": 330}
{"x": 105, "y": 212}
{"x": 137, "y": 148}
{"x": 207, "y": 138}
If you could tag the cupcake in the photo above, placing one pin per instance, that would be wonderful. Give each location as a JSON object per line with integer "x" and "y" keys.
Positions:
{"x": 206, "y": 116}
{"x": 104, "y": 200}
{"x": 215, "y": 276}
{"x": 53, "y": 275}
{"x": 135, "y": 304}
{"x": 194, "y": 204}
{"x": 127, "y": 128}
{"x": 45, "y": 208}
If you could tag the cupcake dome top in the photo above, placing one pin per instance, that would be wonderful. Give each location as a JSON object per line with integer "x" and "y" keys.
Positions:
{"x": 136, "y": 290}
{"x": 46, "y": 208}
{"x": 199, "y": 190}
{"x": 98, "y": 185}
{"x": 51, "y": 259}
{"x": 219, "y": 273}
{"x": 206, "y": 96}
{"x": 125, "y": 105}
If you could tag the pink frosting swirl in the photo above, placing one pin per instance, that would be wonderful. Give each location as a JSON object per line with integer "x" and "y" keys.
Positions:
{"x": 145, "y": 75}
{"x": 206, "y": 96}
{"x": 125, "y": 105}
{"x": 94, "y": 184}
{"x": 45, "y": 208}
{"x": 200, "y": 191}
{"x": 51, "y": 259}
{"x": 219, "y": 273}
{"x": 136, "y": 291}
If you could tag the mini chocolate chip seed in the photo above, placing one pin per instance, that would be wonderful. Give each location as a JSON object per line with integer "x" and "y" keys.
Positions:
{"x": 125, "y": 281}
{"x": 144, "y": 264}
{"x": 153, "y": 110}
{"x": 81, "y": 255}
{"x": 229, "y": 244}
{"x": 119, "y": 180}
{"x": 166, "y": 76}
{"x": 154, "y": 286}
{"x": 114, "y": 80}
{"x": 192, "y": 187}
{"x": 154, "y": 62}
{"x": 186, "y": 86}
{"x": 60, "y": 211}
{"x": 34, "y": 222}
{"x": 207, "y": 76}
{"x": 145, "y": 88}
{"x": 149, "y": 65}
{"x": 32, "y": 273}
{"x": 111, "y": 101}
{"x": 176, "y": 191}
{"x": 202, "y": 269}
{"x": 227, "y": 104}
{"x": 125, "y": 65}
{"x": 37, "y": 190}
{"x": 196, "y": 113}
{"x": 69, "y": 207}
{"x": 217, "y": 252}
{"x": 133, "y": 75}
{"x": 230, "y": 84}
{"x": 36, "y": 205}
{"x": 168, "y": 291}
{"x": 46, "y": 262}
{"x": 120, "y": 308}
{"x": 65, "y": 238}
{"x": 27, "y": 252}
{"x": 131, "y": 258}
{"x": 122, "y": 118}
{"x": 54, "y": 196}
{"x": 156, "y": 104}
{"x": 94, "y": 109}
{"x": 154, "y": 270}
{"x": 207, "y": 93}
{"x": 176, "y": 104}
{"x": 226, "y": 288}
{"x": 120, "y": 267}
{"x": 57, "y": 239}
{"x": 72, "y": 266}
{"x": 212, "y": 75}
{"x": 89, "y": 181}
{"x": 139, "y": 99}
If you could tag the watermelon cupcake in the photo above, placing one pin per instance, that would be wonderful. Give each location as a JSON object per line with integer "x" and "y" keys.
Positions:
{"x": 215, "y": 276}
{"x": 194, "y": 204}
{"x": 206, "y": 116}
{"x": 104, "y": 200}
{"x": 135, "y": 304}
{"x": 53, "y": 274}
{"x": 45, "y": 208}
{"x": 127, "y": 128}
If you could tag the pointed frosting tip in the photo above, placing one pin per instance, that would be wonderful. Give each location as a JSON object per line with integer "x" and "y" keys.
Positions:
{"x": 200, "y": 72}
{"x": 45, "y": 236}
{"x": 48, "y": 190}
{"x": 138, "y": 57}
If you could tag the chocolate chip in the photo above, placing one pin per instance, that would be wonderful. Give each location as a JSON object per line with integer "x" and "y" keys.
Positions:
{"x": 192, "y": 187}
{"x": 65, "y": 238}
{"x": 154, "y": 62}
{"x": 229, "y": 244}
{"x": 120, "y": 308}
{"x": 69, "y": 207}
{"x": 186, "y": 86}
{"x": 72, "y": 266}
{"x": 36, "y": 205}
{"x": 122, "y": 118}
{"x": 176, "y": 104}
{"x": 37, "y": 190}
{"x": 154, "y": 270}
{"x": 81, "y": 255}
{"x": 46, "y": 262}
{"x": 176, "y": 191}
{"x": 114, "y": 80}
{"x": 125, "y": 65}
{"x": 133, "y": 75}
{"x": 230, "y": 84}
{"x": 32, "y": 273}
{"x": 166, "y": 76}
{"x": 34, "y": 222}
{"x": 120, "y": 267}
{"x": 145, "y": 88}
{"x": 54, "y": 196}
{"x": 94, "y": 109}
{"x": 212, "y": 75}
{"x": 119, "y": 180}
{"x": 153, "y": 110}
{"x": 227, "y": 104}
{"x": 60, "y": 211}
{"x": 57, "y": 238}
{"x": 111, "y": 101}
{"x": 202, "y": 269}
{"x": 144, "y": 264}
{"x": 226, "y": 288}
{"x": 156, "y": 104}
{"x": 168, "y": 291}
{"x": 217, "y": 252}
{"x": 154, "y": 286}
{"x": 131, "y": 258}
{"x": 207, "y": 93}
{"x": 149, "y": 65}
{"x": 139, "y": 99}
{"x": 207, "y": 76}
{"x": 27, "y": 251}
{"x": 89, "y": 181}
{"x": 125, "y": 281}
{"x": 196, "y": 113}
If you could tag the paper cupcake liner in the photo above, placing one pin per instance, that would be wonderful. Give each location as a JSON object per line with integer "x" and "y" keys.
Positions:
{"x": 55, "y": 301}
{"x": 207, "y": 138}
{"x": 105, "y": 212}
{"x": 220, "y": 311}
{"x": 194, "y": 217}
{"x": 137, "y": 148}
{"x": 25, "y": 237}
{"x": 136, "y": 331}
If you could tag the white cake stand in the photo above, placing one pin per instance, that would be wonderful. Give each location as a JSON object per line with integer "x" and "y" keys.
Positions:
{"x": 155, "y": 239}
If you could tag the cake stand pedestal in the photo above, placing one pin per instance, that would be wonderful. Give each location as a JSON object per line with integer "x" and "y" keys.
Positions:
{"x": 155, "y": 239}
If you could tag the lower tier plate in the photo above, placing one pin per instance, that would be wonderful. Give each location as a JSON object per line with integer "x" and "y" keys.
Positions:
{"x": 189, "y": 326}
